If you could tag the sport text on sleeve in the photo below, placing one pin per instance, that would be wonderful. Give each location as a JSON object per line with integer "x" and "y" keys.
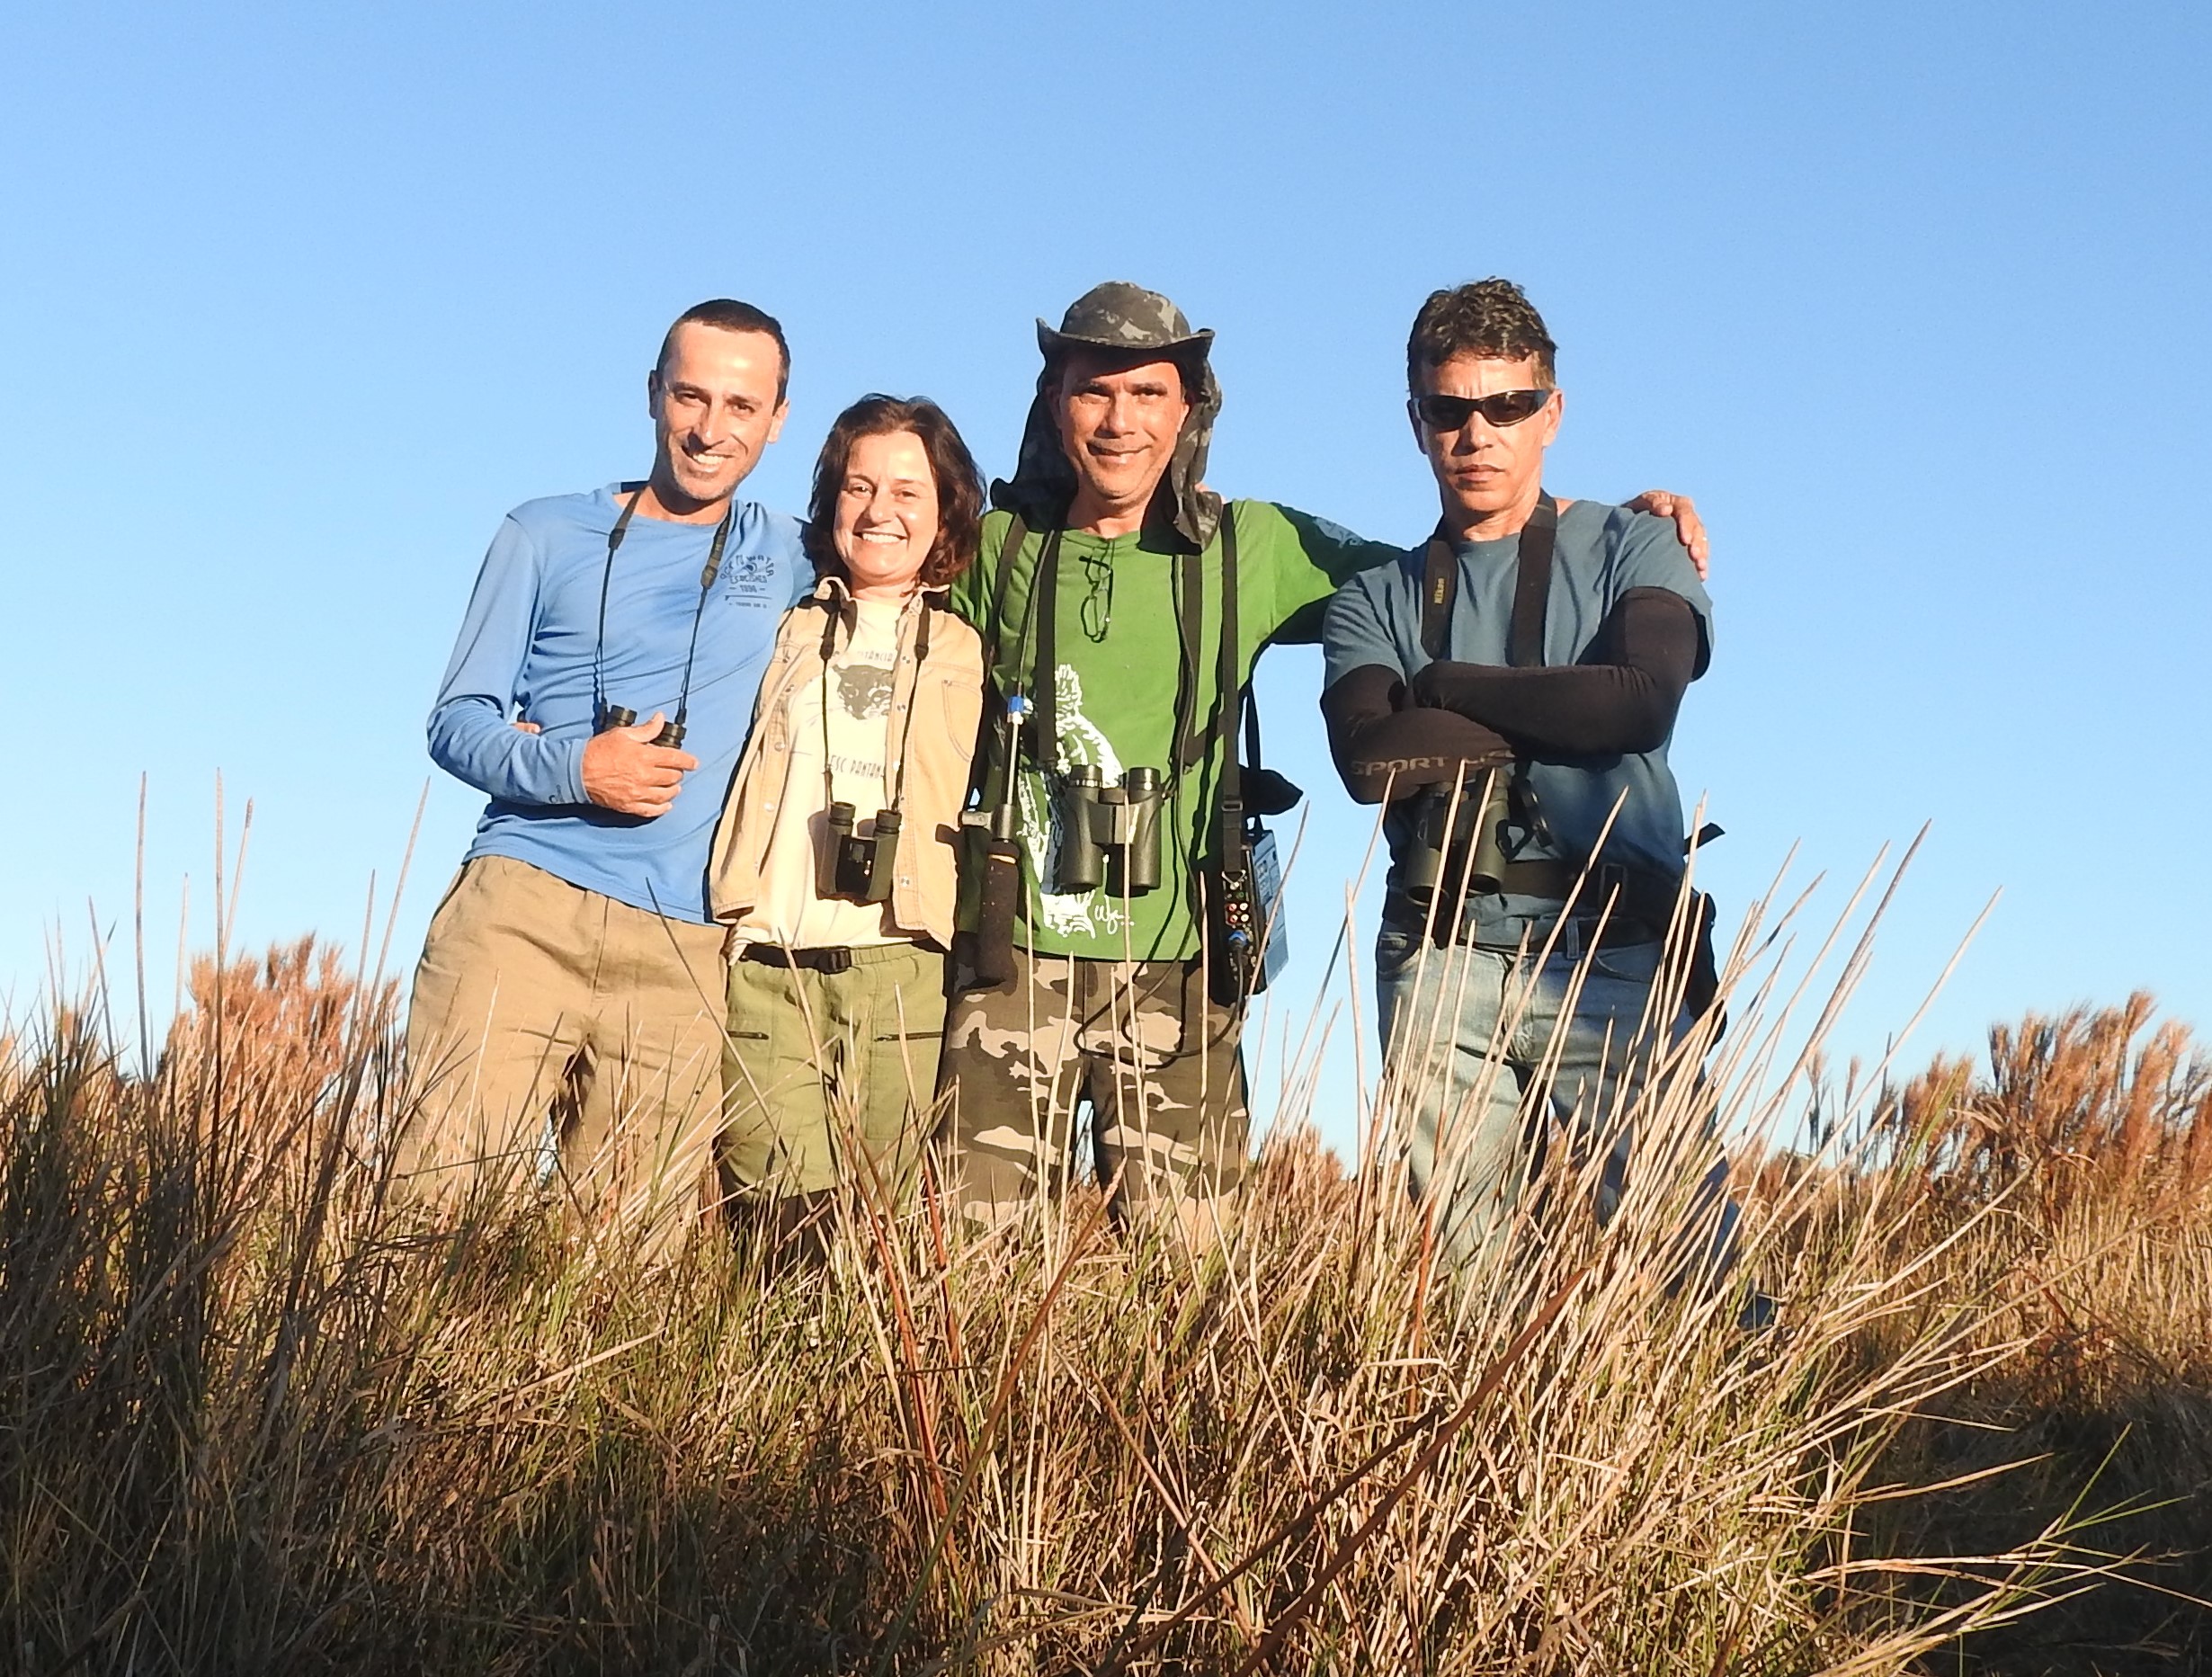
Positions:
{"x": 1384, "y": 745}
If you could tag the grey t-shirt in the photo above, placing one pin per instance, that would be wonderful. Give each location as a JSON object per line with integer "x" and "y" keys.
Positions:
{"x": 1602, "y": 552}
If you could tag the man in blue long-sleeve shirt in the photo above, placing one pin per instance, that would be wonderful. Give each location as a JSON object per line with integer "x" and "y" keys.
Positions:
{"x": 573, "y": 969}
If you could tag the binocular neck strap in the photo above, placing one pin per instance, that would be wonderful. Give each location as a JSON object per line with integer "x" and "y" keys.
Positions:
{"x": 1041, "y": 631}
{"x": 1525, "y": 645}
{"x": 606, "y": 580}
{"x": 1044, "y": 695}
{"x": 712, "y": 569}
{"x": 832, "y": 609}
{"x": 913, "y": 698}
{"x": 1229, "y": 678}
{"x": 1192, "y": 728}
{"x": 606, "y": 577}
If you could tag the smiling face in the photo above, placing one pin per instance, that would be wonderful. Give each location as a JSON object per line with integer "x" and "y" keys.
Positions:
{"x": 714, "y": 407}
{"x": 1119, "y": 424}
{"x": 887, "y": 514}
{"x": 1488, "y": 476}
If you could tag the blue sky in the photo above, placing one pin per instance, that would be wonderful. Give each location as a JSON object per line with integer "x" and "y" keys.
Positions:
{"x": 1912, "y": 299}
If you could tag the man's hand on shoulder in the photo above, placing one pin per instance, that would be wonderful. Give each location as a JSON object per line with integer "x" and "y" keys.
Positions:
{"x": 1688, "y": 525}
{"x": 625, "y": 771}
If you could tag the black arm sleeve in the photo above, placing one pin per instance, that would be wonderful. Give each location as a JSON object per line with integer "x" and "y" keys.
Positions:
{"x": 1647, "y": 653}
{"x": 1379, "y": 748}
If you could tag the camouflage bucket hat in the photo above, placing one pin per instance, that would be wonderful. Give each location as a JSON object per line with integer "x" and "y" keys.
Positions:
{"x": 1120, "y": 317}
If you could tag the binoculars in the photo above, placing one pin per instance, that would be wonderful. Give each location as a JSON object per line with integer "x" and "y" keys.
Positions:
{"x": 1461, "y": 841}
{"x": 622, "y": 716}
{"x": 859, "y": 869}
{"x": 1110, "y": 834}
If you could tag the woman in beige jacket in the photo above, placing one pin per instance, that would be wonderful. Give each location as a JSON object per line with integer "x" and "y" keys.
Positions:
{"x": 835, "y": 863}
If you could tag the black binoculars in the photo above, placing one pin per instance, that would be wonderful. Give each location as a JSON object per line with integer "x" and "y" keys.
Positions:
{"x": 622, "y": 716}
{"x": 861, "y": 870}
{"x": 1460, "y": 839}
{"x": 1110, "y": 834}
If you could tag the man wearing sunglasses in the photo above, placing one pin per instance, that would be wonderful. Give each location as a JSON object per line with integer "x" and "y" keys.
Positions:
{"x": 1100, "y": 592}
{"x": 601, "y": 688}
{"x": 1510, "y": 688}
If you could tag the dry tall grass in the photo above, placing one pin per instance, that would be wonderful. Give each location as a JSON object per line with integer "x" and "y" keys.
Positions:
{"x": 253, "y": 1420}
{"x": 2082, "y": 1158}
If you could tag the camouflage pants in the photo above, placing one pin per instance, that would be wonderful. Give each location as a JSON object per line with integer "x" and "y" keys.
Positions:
{"x": 1140, "y": 1043}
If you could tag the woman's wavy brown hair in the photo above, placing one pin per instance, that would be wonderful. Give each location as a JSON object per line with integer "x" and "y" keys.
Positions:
{"x": 960, "y": 483}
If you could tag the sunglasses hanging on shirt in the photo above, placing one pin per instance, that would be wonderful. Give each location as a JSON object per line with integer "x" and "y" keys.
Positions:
{"x": 1501, "y": 409}
{"x": 605, "y": 716}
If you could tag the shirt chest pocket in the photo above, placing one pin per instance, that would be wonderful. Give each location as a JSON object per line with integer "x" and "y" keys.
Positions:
{"x": 953, "y": 702}
{"x": 780, "y": 685}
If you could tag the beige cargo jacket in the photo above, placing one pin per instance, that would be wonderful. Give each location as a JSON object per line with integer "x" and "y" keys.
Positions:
{"x": 945, "y": 693}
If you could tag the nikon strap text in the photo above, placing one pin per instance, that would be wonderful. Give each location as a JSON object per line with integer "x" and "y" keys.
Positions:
{"x": 1440, "y": 589}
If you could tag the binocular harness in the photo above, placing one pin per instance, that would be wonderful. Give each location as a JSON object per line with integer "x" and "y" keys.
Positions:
{"x": 1110, "y": 832}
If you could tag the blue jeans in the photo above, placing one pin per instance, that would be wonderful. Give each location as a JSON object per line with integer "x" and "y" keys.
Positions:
{"x": 1494, "y": 1068}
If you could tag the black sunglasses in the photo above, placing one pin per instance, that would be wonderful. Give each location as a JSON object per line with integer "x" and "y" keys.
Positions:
{"x": 1506, "y": 407}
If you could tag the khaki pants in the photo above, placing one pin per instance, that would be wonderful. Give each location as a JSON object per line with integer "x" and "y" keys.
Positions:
{"x": 821, "y": 1063}
{"x": 544, "y": 1011}
{"x": 1142, "y": 1042}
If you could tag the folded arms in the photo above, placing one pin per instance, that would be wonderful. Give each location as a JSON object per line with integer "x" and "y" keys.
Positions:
{"x": 1386, "y": 732}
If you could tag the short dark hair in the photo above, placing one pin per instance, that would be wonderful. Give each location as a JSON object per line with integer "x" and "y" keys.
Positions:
{"x": 960, "y": 483}
{"x": 1490, "y": 319}
{"x": 731, "y": 315}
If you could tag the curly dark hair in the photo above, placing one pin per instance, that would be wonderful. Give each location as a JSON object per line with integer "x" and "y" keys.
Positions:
{"x": 960, "y": 483}
{"x": 1489, "y": 318}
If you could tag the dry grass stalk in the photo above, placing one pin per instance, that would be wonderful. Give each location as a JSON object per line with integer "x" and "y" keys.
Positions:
{"x": 255, "y": 1420}
{"x": 2091, "y": 1104}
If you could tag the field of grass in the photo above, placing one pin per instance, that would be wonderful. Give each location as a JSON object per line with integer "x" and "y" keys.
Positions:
{"x": 255, "y": 1418}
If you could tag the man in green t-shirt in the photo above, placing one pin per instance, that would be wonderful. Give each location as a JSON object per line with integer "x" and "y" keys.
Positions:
{"x": 1099, "y": 593}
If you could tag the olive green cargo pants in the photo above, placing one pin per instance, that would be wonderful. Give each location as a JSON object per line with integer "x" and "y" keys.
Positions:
{"x": 825, "y": 1070}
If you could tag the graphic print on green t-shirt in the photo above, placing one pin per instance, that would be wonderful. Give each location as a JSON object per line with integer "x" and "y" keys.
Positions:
{"x": 1117, "y": 701}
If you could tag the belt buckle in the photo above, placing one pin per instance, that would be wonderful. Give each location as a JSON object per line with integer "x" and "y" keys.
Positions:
{"x": 833, "y": 960}
{"x": 1610, "y": 883}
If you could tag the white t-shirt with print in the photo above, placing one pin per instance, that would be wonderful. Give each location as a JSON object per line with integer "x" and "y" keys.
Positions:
{"x": 857, "y": 723}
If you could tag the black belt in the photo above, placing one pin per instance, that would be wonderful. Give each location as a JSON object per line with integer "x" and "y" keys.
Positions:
{"x": 827, "y": 960}
{"x": 1590, "y": 932}
{"x": 1641, "y": 903}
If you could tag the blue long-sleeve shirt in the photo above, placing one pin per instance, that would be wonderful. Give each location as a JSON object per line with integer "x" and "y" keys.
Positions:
{"x": 526, "y": 650}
